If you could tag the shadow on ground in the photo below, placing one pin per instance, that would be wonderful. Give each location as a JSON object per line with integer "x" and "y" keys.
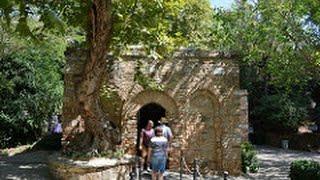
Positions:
{"x": 30, "y": 165}
{"x": 31, "y": 162}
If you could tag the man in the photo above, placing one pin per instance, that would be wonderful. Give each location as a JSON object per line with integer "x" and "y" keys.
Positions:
{"x": 167, "y": 133}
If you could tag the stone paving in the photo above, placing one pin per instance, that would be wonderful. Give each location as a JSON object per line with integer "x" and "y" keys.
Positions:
{"x": 274, "y": 162}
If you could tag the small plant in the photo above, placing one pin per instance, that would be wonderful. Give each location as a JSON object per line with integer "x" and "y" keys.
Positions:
{"x": 112, "y": 154}
{"x": 249, "y": 158}
{"x": 305, "y": 169}
{"x": 119, "y": 153}
{"x": 145, "y": 81}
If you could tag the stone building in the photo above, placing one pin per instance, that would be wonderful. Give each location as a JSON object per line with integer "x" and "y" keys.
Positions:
{"x": 197, "y": 91}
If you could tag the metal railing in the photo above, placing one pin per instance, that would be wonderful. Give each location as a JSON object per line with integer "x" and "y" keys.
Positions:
{"x": 195, "y": 169}
{"x": 136, "y": 173}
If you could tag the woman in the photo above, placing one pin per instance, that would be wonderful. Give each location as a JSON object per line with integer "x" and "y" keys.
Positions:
{"x": 146, "y": 134}
{"x": 158, "y": 154}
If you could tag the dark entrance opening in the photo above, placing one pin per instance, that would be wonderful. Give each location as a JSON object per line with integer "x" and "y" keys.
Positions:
{"x": 151, "y": 111}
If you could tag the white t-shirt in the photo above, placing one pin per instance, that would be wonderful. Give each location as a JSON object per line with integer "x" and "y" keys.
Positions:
{"x": 167, "y": 133}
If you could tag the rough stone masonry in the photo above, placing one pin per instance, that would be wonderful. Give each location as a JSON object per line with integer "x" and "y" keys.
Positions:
{"x": 198, "y": 92}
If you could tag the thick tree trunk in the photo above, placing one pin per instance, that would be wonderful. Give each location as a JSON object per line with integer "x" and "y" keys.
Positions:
{"x": 98, "y": 134}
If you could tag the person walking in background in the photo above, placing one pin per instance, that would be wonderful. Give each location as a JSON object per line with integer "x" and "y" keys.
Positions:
{"x": 57, "y": 127}
{"x": 146, "y": 134}
{"x": 53, "y": 120}
{"x": 158, "y": 153}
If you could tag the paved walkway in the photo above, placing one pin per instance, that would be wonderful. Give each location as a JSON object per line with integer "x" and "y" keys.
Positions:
{"x": 274, "y": 162}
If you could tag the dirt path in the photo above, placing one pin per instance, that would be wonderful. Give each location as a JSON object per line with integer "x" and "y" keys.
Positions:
{"x": 275, "y": 164}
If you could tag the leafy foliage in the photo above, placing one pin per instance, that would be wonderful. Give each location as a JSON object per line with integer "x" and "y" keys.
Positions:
{"x": 31, "y": 88}
{"x": 274, "y": 38}
{"x": 279, "y": 39}
{"x": 304, "y": 169}
{"x": 248, "y": 158}
{"x": 281, "y": 111}
{"x": 157, "y": 25}
{"x": 145, "y": 81}
{"x": 161, "y": 26}
{"x": 278, "y": 42}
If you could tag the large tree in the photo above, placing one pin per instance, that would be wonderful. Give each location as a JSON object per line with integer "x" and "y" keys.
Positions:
{"x": 110, "y": 26}
{"x": 98, "y": 39}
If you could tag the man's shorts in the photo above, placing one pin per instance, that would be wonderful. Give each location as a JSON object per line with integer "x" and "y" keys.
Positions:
{"x": 158, "y": 164}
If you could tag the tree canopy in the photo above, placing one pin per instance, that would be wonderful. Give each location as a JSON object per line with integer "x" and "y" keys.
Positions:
{"x": 278, "y": 42}
{"x": 157, "y": 25}
{"x": 277, "y": 38}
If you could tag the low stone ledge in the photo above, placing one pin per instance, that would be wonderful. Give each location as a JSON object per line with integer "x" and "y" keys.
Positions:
{"x": 96, "y": 168}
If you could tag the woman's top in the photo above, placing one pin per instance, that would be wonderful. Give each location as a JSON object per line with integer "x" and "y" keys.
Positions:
{"x": 146, "y": 137}
{"x": 159, "y": 145}
{"x": 57, "y": 128}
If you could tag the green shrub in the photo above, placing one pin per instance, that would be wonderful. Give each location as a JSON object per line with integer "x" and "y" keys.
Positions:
{"x": 249, "y": 158}
{"x": 281, "y": 111}
{"x": 305, "y": 170}
{"x": 31, "y": 89}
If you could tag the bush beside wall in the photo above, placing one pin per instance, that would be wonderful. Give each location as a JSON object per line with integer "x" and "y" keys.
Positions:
{"x": 305, "y": 170}
{"x": 249, "y": 158}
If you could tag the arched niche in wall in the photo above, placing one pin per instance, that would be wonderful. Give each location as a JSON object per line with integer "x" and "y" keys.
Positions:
{"x": 204, "y": 102}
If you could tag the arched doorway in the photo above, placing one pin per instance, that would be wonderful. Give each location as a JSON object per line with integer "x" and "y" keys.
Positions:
{"x": 151, "y": 111}
{"x": 137, "y": 109}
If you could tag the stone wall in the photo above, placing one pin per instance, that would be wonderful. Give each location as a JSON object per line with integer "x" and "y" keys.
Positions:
{"x": 95, "y": 169}
{"x": 199, "y": 90}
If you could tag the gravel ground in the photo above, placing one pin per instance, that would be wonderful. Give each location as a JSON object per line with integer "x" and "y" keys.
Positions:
{"x": 274, "y": 163}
